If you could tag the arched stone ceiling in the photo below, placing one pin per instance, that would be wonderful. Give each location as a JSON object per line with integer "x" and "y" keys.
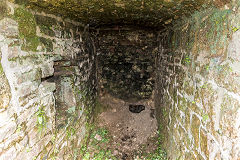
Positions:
{"x": 147, "y": 13}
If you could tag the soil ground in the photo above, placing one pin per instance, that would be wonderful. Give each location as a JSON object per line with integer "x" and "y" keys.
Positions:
{"x": 132, "y": 134}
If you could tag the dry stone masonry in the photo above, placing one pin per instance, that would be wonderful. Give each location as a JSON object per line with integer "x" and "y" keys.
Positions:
{"x": 126, "y": 61}
{"x": 45, "y": 60}
{"x": 198, "y": 80}
{"x": 57, "y": 56}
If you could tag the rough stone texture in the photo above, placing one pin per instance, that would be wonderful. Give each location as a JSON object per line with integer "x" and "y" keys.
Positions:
{"x": 158, "y": 13}
{"x": 5, "y": 93}
{"x": 30, "y": 48}
{"x": 197, "y": 74}
{"x": 126, "y": 62}
{"x": 196, "y": 83}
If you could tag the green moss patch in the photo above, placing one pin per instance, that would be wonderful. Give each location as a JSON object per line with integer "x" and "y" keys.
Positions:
{"x": 3, "y": 9}
{"x": 27, "y": 29}
{"x": 45, "y": 24}
{"x": 47, "y": 43}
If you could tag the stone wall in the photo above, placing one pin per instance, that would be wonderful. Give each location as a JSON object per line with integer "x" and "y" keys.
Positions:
{"x": 198, "y": 86}
{"x": 126, "y": 61}
{"x": 47, "y": 84}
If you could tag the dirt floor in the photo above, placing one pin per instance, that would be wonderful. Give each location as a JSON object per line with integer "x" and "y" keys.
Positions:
{"x": 131, "y": 133}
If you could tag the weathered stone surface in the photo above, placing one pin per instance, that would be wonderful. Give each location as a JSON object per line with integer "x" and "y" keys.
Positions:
{"x": 195, "y": 129}
{"x": 5, "y": 92}
{"x": 32, "y": 75}
{"x": 126, "y": 61}
{"x": 143, "y": 13}
{"x": 7, "y": 130}
{"x": 206, "y": 85}
{"x": 9, "y": 154}
{"x": 204, "y": 143}
{"x": 197, "y": 74}
{"x": 28, "y": 57}
{"x": 46, "y": 24}
{"x": 47, "y": 69}
{"x": 9, "y": 28}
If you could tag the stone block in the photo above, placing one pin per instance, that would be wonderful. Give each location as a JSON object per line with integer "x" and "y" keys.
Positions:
{"x": 32, "y": 75}
{"x": 204, "y": 143}
{"x": 10, "y": 154}
{"x": 30, "y": 153}
{"x": 46, "y": 88}
{"x": 9, "y": 28}
{"x": 22, "y": 144}
{"x": 47, "y": 69}
{"x": 7, "y": 130}
{"x": 234, "y": 45}
{"x": 47, "y": 43}
{"x": 46, "y": 24}
{"x": 5, "y": 117}
{"x": 27, "y": 114}
{"x": 195, "y": 125}
{"x": 5, "y": 91}
{"x": 12, "y": 140}
{"x": 28, "y": 88}
{"x": 34, "y": 137}
{"x": 14, "y": 52}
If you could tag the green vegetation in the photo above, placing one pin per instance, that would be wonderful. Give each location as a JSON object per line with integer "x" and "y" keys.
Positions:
{"x": 205, "y": 117}
{"x": 187, "y": 60}
{"x": 41, "y": 120}
{"x": 27, "y": 29}
{"x": 158, "y": 154}
{"x": 97, "y": 146}
{"x": 1, "y": 69}
{"x": 45, "y": 24}
{"x": 47, "y": 43}
{"x": 3, "y": 9}
{"x": 234, "y": 29}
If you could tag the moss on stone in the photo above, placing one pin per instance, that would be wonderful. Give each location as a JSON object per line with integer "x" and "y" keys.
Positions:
{"x": 47, "y": 43}
{"x": 27, "y": 29}
{"x": 30, "y": 44}
{"x": 98, "y": 12}
{"x": 3, "y": 9}
{"x": 21, "y": 2}
{"x": 45, "y": 24}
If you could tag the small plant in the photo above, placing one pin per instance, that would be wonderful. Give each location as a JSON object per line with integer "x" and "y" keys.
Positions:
{"x": 28, "y": 149}
{"x": 205, "y": 117}
{"x": 187, "y": 60}
{"x": 96, "y": 148}
{"x": 19, "y": 128}
{"x": 41, "y": 120}
{"x": 103, "y": 133}
{"x": 70, "y": 132}
{"x": 204, "y": 86}
{"x": 234, "y": 29}
{"x": 207, "y": 68}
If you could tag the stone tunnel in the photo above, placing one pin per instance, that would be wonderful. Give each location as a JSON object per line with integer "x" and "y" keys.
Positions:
{"x": 68, "y": 66}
